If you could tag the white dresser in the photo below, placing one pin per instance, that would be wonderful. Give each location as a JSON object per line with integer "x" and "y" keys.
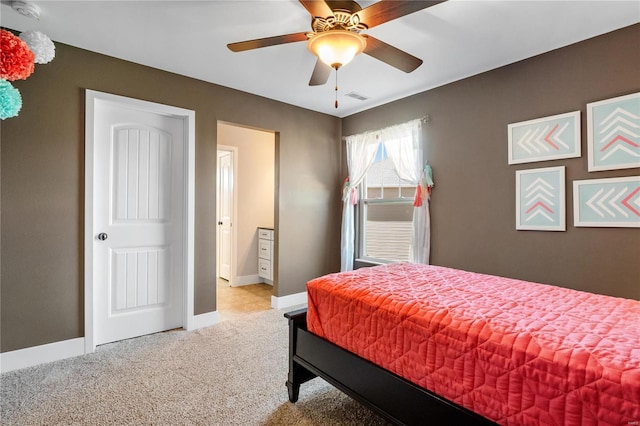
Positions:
{"x": 265, "y": 254}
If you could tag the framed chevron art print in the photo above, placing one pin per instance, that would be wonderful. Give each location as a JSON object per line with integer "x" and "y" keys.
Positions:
{"x": 613, "y": 133}
{"x": 540, "y": 199}
{"x": 612, "y": 202}
{"x": 548, "y": 138}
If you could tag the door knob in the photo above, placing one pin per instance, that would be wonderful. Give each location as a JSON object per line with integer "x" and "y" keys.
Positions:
{"x": 102, "y": 236}
{"x": 220, "y": 223}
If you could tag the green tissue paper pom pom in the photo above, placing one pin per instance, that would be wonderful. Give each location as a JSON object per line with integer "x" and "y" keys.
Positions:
{"x": 10, "y": 100}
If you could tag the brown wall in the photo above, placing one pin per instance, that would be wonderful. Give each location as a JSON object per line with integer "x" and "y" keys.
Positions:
{"x": 473, "y": 203}
{"x": 42, "y": 175}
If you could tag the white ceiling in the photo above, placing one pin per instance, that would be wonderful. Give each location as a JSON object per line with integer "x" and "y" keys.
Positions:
{"x": 456, "y": 39}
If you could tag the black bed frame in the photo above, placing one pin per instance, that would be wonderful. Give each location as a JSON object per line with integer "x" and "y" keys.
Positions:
{"x": 392, "y": 397}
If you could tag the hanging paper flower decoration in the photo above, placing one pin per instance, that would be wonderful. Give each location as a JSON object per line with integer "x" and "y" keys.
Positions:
{"x": 10, "y": 100}
{"x": 16, "y": 59}
{"x": 41, "y": 45}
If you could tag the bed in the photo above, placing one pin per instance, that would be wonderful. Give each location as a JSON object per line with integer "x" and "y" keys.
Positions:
{"x": 419, "y": 342}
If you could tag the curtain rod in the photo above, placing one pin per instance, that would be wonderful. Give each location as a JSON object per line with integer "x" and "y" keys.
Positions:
{"x": 423, "y": 119}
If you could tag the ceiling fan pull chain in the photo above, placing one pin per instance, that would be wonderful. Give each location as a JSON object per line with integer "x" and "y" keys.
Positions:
{"x": 336, "y": 87}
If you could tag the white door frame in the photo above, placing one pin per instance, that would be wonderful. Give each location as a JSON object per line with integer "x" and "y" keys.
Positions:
{"x": 234, "y": 217}
{"x": 188, "y": 116}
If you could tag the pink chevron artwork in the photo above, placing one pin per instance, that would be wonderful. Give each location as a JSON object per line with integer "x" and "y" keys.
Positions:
{"x": 548, "y": 140}
{"x": 627, "y": 201}
{"x": 621, "y": 139}
{"x": 539, "y": 204}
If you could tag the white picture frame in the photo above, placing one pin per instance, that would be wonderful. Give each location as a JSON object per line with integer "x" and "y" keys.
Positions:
{"x": 548, "y": 138}
{"x": 613, "y": 133}
{"x": 610, "y": 202}
{"x": 540, "y": 199}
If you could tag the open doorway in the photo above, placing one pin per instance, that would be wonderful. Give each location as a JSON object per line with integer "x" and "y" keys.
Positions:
{"x": 245, "y": 203}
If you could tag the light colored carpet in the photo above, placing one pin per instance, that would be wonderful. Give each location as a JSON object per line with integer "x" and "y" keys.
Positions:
{"x": 233, "y": 373}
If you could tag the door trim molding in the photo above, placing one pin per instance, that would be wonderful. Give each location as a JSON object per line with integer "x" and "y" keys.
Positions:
{"x": 92, "y": 97}
{"x": 234, "y": 218}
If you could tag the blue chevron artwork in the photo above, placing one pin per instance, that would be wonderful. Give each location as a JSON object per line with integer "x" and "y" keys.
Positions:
{"x": 540, "y": 199}
{"x": 611, "y": 202}
{"x": 613, "y": 133}
{"x": 548, "y": 138}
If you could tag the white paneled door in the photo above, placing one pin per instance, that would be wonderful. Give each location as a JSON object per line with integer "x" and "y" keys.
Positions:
{"x": 225, "y": 213}
{"x": 138, "y": 221}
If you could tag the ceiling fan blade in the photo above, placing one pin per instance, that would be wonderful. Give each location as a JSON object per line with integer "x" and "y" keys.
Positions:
{"x": 388, "y": 10}
{"x": 320, "y": 74}
{"x": 267, "y": 41}
{"x": 317, "y": 8}
{"x": 391, "y": 55}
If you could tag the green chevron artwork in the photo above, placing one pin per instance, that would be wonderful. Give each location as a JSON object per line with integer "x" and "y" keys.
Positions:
{"x": 612, "y": 202}
{"x": 548, "y": 138}
{"x": 613, "y": 133}
{"x": 540, "y": 199}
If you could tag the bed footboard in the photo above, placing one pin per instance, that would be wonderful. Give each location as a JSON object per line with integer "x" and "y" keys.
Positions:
{"x": 394, "y": 398}
{"x": 297, "y": 373}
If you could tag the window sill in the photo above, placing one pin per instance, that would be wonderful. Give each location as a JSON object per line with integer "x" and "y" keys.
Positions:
{"x": 362, "y": 263}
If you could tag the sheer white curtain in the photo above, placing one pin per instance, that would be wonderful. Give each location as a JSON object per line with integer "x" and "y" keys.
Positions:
{"x": 361, "y": 151}
{"x": 403, "y": 143}
{"x": 421, "y": 242}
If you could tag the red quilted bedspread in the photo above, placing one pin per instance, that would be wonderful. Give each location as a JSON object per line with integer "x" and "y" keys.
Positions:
{"x": 515, "y": 352}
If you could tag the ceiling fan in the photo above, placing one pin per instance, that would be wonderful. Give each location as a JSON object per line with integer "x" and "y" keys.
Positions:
{"x": 336, "y": 34}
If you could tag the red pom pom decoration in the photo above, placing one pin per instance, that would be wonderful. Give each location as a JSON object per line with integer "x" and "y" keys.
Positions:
{"x": 16, "y": 59}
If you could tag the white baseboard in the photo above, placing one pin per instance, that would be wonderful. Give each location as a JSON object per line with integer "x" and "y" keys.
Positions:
{"x": 28, "y": 357}
{"x": 289, "y": 301}
{"x": 23, "y": 358}
{"x": 205, "y": 320}
{"x": 247, "y": 280}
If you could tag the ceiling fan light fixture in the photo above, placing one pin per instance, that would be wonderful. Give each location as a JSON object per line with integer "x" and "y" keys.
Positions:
{"x": 337, "y": 48}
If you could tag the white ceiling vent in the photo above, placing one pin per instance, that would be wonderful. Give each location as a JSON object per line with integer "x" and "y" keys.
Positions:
{"x": 357, "y": 96}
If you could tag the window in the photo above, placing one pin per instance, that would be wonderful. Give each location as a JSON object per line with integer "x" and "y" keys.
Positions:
{"x": 390, "y": 222}
{"x": 385, "y": 212}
